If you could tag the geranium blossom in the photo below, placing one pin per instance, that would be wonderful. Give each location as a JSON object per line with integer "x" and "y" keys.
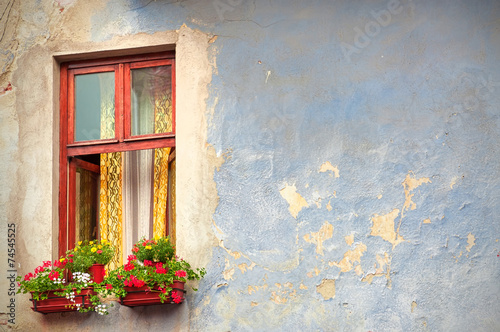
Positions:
{"x": 135, "y": 249}
{"x": 180, "y": 273}
{"x": 47, "y": 263}
{"x": 131, "y": 258}
{"x": 148, "y": 263}
{"x": 28, "y": 276}
{"x": 176, "y": 298}
{"x": 99, "y": 251}
{"x": 129, "y": 267}
{"x": 109, "y": 286}
{"x": 161, "y": 270}
{"x": 53, "y": 275}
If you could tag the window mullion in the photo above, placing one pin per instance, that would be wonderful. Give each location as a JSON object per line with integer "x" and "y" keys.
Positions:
{"x": 119, "y": 102}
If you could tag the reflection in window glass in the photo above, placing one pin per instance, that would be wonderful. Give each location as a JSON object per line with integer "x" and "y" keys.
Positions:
{"x": 94, "y": 106}
{"x": 151, "y": 98}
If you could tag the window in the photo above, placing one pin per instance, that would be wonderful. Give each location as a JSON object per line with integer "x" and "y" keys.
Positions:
{"x": 117, "y": 150}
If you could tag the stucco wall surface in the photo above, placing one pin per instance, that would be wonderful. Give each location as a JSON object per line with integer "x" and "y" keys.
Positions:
{"x": 338, "y": 159}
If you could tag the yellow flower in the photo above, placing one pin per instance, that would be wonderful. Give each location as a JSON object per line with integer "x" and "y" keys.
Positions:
{"x": 76, "y": 249}
{"x": 94, "y": 249}
{"x": 91, "y": 242}
{"x": 79, "y": 242}
{"x": 148, "y": 247}
{"x": 99, "y": 247}
{"x": 157, "y": 237}
{"x": 103, "y": 241}
{"x": 62, "y": 259}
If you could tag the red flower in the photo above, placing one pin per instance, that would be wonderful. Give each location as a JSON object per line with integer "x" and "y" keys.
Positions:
{"x": 39, "y": 269}
{"x": 180, "y": 273}
{"x": 131, "y": 258}
{"x": 119, "y": 277}
{"x": 47, "y": 264}
{"x": 129, "y": 267}
{"x": 53, "y": 275}
{"x": 28, "y": 276}
{"x": 135, "y": 249}
{"x": 160, "y": 270}
{"x": 158, "y": 265}
{"x": 138, "y": 283}
{"x": 99, "y": 251}
{"x": 176, "y": 298}
{"x": 148, "y": 263}
{"x": 109, "y": 286}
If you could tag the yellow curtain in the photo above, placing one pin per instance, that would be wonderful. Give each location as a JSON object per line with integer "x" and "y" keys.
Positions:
{"x": 163, "y": 123}
{"x": 110, "y": 209}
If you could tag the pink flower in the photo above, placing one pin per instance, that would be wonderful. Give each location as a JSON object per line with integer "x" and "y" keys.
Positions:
{"x": 47, "y": 263}
{"x": 135, "y": 249}
{"x": 148, "y": 263}
{"x": 180, "y": 273}
{"x": 159, "y": 264}
{"x": 99, "y": 251}
{"x": 39, "y": 269}
{"x": 109, "y": 286}
{"x": 28, "y": 276}
{"x": 131, "y": 258}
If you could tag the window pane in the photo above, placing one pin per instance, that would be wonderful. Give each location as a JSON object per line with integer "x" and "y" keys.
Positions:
{"x": 151, "y": 98}
{"x": 94, "y": 106}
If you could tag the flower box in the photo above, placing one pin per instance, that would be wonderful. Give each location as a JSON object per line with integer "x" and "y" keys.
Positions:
{"x": 139, "y": 296}
{"x": 57, "y": 303}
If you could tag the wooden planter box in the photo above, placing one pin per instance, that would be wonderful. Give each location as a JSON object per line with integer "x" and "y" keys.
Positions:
{"x": 138, "y": 296}
{"x": 57, "y": 303}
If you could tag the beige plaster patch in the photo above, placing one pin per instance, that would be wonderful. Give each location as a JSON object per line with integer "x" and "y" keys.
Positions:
{"x": 295, "y": 200}
{"x": 349, "y": 239}
{"x": 379, "y": 272}
{"x": 324, "y": 233}
{"x": 470, "y": 242}
{"x": 327, "y": 166}
{"x": 427, "y": 221}
{"x": 350, "y": 257}
{"x": 329, "y": 206}
{"x": 326, "y": 289}
{"x": 383, "y": 226}
{"x": 409, "y": 184}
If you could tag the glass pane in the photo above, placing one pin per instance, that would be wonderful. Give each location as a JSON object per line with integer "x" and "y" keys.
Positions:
{"x": 151, "y": 98}
{"x": 94, "y": 106}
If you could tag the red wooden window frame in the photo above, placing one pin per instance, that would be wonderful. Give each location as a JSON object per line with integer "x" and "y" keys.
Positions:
{"x": 123, "y": 141}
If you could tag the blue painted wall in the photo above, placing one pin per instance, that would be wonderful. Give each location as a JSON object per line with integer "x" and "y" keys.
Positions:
{"x": 385, "y": 91}
{"x": 361, "y": 187}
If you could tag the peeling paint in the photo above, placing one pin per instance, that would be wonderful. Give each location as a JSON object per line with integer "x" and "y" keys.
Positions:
{"x": 427, "y": 221}
{"x": 329, "y": 206}
{"x": 326, "y": 289}
{"x": 302, "y": 286}
{"x": 470, "y": 242}
{"x": 295, "y": 200}
{"x": 324, "y": 233}
{"x": 411, "y": 183}
{"x": 383, "y": 226}
{"x": 350, "y": 257}
{"x": 413, "y": 306}
{"x": 349, "y": 239}
{"x": 327, "y": 166}
{"x": 379, "y": 272}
